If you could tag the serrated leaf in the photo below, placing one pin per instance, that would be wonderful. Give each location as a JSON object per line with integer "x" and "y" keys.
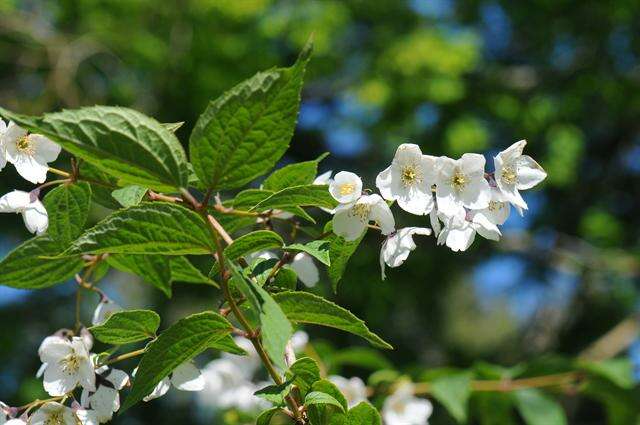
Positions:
{"x": 249, "y": 198}
{"x": 25, "y": 267}
{"x": 275, "y": 393}
{"x": 181, "y": 342}
{"x": 318, "y": 249}
{"x": 68, "y": 209}
{"x": 153, "y": 269}
{"x": 148, "y": 228}
{"x": 102, "y": 184}
{"x": 537, "y": 408}
{"x": 119, "y": 141}
{"x": 303, "y": 307}
{"x": 228, "y": 345}
{"x": 316, "y": 397}
{"x": 242, "y": 134}
{"x": 363, "y": 414}
{"x": 126, "y": 327}
{"x": 298, "y": 196}
{"x": 182, "y": 270}
{"x": 304, "y": 372}
{"x": 253, "y": 242}
{"x": 340, "y": 251}
{"x": 130, "y": 195}
{"x": 453, "y": 391}
{"x": 275, "y": 330}
{"x": 328, "y": 387}
{"x": 301, "y": 173}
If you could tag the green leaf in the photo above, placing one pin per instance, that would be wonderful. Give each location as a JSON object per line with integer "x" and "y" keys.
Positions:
{"x": 317, "y": 397}
{"x": 182, "y": 270}
{"x": 253, "y": 242}
{"x": 228, "y": 345}
{"x": 303, "y": 307}
{"x": 148, "y": 228}
{"x": 25, "y": 268}
{"x": 340, "y": 251}
{"x": 618, "y": 371}
{"x": 102, "y": 185}
{"x": 301, "y": 173}
{"x": 181, "y": 342}
{"x": 68, "y": 209}
{"x": 154, "y": 269}
{"x": 130, "y": 195}
{"x": 493, "y": 408}
{"x": 119, "y": 141}
{"x": 328, "y": 387}
{"x": 126, "y": 327}
{"x": 305, "y": 372}
{"x": 173, "y": 126}
{"x": 275, "y": 393}
{"x": 275, "y": 330}
{"x": 363, "y": 414}
{"x": 537, "y": 408}
{"x": 453, "y": 391}
{"x": 318, "y": 249}
{"x": 247, "y": 199}
{"x": 308, "y": 195}
{"x": 242, "y": 134}
{"x": 266, "y": 416}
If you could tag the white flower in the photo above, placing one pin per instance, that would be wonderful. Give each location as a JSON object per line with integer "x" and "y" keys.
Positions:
{"x": 3, "y": 153}
{"x": 299, "y": 340}
{"x": 53, "y": 413}
{"x": 460, "y": 230}
{"x": 409, "y": 179}
{"x": 105, "y": 401}
{"x": 306, "y": 269}
{"x": 87, "y": 416}
{"x": 34, "y": 214}
{"x": 247, "y": 364}
{"x": 498, "y": 210}
{"x": 350, "y": 220}
{"x": 403, "y": 408}
{"x": 514, "y": 172}
{"x": 346, "y": 187}
{"x": 186, "y": 377}
{"x": 68, "y": 365}
{"x": 324, "y": 178}
{"x": 354, "y": 390}
{"x": 461, "y": 183}
{"x": 227, "y": 385}
{"x": 16, "y": 421}
{"x": 104, "y": 310}
{"x": 396, "y": 248}
{"x": 29, "y": 153}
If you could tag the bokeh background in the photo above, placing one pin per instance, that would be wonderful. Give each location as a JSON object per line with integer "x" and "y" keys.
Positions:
{"x": 453, "y": 76}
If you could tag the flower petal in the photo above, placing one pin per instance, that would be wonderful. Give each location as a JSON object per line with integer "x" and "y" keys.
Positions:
{"x": 29, "y": 168}
{"x": 45, "y": 149}
{"x": 346, "y": 224}
{"x": 160, "y": 390}
{"x": 187, "y": 377}
{"x": 36, "y": 218}
{"x": 14, "y": 201}
{"x": 530, "y": 173}
{"x": 381, "y": 214}
{"x": 306, "y": 269}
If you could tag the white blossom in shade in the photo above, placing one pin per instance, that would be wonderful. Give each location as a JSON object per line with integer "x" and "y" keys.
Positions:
{"x": 105, "y": 401}
{"x": 346, "y": 187}
{"x": 306, "y": 269}
{"x": 350, "y": 220}
{"x": 104, "y": 310}
{"x": 515, "y": 171}
{"x": 3, "y": 151}
{"x": 353, "y": 389}
{"x": 222, "y": 378}
{"x": 324, "y": 178}
{"x": 460, "y": 230}
{"x": 408, "y": 180}
{"x": 403, "y": 408}
{"x": 33, "y": 212}
{"x": 29, "y": 153}
{"x": 68, "y": 365}
{"x": 396, "y": 248}
{"x": 498, "y": 210}
{"x": 299, "y": 341}
{"x": 87, "y": 416}
{"x": 53, "y": 413}
{"x": 461, "y": 183}
{"x": 186, "y": 377}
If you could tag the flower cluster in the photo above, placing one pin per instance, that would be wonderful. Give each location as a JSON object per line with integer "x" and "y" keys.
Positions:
{"x": 30, "y": 154}
{"x": 460, "y": 198}
{"x": 69, "y": 365}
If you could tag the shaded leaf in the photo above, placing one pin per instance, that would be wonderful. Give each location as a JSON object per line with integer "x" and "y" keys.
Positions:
{"x": 68, "y": 209}
{"x": 126, "y": 327}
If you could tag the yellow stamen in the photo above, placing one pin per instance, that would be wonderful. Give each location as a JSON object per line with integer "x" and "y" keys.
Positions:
{"x": 509, "y": 175}
{"x": 361, "y": 211}
{"x": 410, "y": 175}
{"x": 24, "y": 145}
{"x": 347, "y": 189}
{"x": 459, "y": 180}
